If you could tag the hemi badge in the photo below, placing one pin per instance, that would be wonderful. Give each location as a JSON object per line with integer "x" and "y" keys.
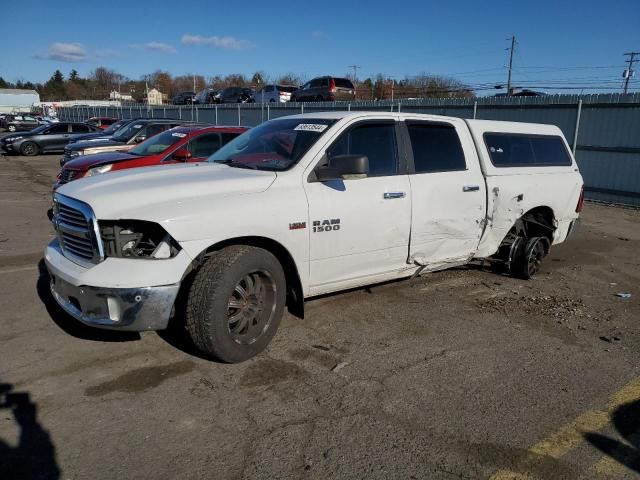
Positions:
{"x": 297, "y": 225}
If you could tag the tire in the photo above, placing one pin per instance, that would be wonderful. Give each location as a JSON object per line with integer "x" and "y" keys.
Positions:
{"x": 11, "y": 128}
{"x": 228, "y": 316}
{"x": 272, "y": 101}
{"x": 528, "y": 261}
{"x": 293, "y": 99}
{"x": 29, "y": 149}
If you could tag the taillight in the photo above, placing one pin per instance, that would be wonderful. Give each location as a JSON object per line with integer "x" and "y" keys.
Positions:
{"x": 580, "y": 200}
{"x": 332, "y": 85}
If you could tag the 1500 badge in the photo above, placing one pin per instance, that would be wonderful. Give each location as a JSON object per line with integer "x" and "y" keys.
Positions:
{"x": 326, "y": 225}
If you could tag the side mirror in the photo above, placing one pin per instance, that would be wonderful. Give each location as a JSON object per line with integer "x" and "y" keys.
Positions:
{"x": 140, "y": 138}
{"x": 181, "y": 155}
{"x": 344, "y": 167}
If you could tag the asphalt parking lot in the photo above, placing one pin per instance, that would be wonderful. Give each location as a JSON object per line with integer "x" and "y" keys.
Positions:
{"x": 458, "y": 374}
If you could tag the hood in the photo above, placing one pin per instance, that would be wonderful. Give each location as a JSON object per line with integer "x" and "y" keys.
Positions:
{"x": 89, "y": 161}
{"x": 18, "y": 134}
{"x": 92, "y": 143}
{"x": 162, "y": 194}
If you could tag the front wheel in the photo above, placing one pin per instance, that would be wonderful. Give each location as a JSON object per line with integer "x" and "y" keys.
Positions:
{"x": 236, "y": 302}
{"x": 29, "y": 149}
{"x": 11, "y": 128}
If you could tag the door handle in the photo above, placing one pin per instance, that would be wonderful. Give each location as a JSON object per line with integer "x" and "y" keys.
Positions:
{"x": 470, "y": 188}
{"x": 390, "y": 195}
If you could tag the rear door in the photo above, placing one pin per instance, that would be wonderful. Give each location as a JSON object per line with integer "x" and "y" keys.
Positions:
{"x": 447, "y": 190}
{"x": 359, "y": 228}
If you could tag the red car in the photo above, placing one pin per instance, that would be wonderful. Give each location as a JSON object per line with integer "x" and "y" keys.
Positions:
{"x": 102, "y": 122}
{"x": 191, "y": 143}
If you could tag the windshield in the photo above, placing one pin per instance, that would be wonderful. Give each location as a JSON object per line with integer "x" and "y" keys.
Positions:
{"x": 274, "y": 145}
{"x": 158, "y": 143}
{"x": 114, "y": 127}
{"x": 126, "y": 133}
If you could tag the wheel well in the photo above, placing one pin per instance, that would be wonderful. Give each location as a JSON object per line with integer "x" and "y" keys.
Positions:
{"x": 539, "y": 222}
{"x": 295, "y": 296}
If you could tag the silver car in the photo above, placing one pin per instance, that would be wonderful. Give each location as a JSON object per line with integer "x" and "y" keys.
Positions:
{"x": 274, "y": 93}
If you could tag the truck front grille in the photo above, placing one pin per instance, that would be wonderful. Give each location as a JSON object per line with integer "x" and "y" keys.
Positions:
{"x": 76, "y": 227}
{"x": 67, "y": 175}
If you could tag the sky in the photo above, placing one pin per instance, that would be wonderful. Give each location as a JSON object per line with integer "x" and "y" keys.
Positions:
{"x": 568, "y": 45}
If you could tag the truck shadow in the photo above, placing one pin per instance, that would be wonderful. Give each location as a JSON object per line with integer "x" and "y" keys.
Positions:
{"x": 35, "y": 455}
{"x": 626, "y": 420}
{"x": 69, "y": 324}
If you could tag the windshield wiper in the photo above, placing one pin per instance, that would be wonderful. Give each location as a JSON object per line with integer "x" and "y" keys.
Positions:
{"x": 233, "y": 163}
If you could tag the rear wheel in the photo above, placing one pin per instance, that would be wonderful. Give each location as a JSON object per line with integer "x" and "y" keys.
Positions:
{"x": 530, "y": 256}
{"x": 236, "y": 302}
{"x": 29, "y": 148}
{"x": 11, "y": 128}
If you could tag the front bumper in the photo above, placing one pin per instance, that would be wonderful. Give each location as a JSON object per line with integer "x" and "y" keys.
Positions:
{"x": 117, "y": 293}
{"x": 136, "y": 309}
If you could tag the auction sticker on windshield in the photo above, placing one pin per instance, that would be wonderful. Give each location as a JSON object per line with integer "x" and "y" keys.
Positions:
{"x": 311, "y": 127}
{"x": 179, "y": 135}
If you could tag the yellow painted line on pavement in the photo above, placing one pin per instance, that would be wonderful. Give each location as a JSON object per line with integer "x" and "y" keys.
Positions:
{"x": 570, "y": 436}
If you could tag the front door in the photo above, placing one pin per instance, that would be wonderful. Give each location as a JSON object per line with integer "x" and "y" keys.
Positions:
{"x": 359, "y": 228}
{"x": 56, "y": 138}
{"x": 448, "y": 193}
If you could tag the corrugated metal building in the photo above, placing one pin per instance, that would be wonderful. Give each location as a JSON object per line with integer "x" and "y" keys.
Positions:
{"x": 16, "y": 99}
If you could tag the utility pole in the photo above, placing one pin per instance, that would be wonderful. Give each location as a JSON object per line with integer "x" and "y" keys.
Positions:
{"x": 355, "y": 67}
{"x": 628, "y": 73}
{"x": 511, "y": 50}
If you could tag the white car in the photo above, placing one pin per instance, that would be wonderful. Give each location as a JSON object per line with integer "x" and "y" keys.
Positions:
{"x": 302, "y": 206}
{"x": 274, "y": 93}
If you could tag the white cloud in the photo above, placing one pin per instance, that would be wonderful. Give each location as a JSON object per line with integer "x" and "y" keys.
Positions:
{"x": 154, "y": 47}
{"x": 230, "y": 43}
{"x": 64, "y": 52}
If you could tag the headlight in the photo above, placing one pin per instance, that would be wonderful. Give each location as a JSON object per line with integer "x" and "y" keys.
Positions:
{"x": 12, "y": 139}
{"x": 137, "y": 239}
{"x": 74, "y": 154}
{"x": 98, "y": 170}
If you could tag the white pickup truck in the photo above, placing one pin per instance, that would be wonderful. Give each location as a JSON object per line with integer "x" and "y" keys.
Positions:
{"x": 301, "y": 206}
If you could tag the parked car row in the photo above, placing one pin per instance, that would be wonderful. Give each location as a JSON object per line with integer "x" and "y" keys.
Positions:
{"x": 184, "y": 143}
{"x": 320, "y": 89}
{"x": 45, "y": 138}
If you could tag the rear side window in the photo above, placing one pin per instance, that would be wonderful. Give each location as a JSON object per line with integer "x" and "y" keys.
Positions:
{"x": 343, "y": 83}
{"x": 227, "y": 137}
{"x": 436, "y": 148}
{"x": 377, "y": 141}
{"x": 520, "y": 150}
{"x": 80, "y": 129}
{"x": 204, "y": 145}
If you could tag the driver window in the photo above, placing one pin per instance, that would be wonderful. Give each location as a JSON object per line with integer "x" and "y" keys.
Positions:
{"x": 376, "y": 140}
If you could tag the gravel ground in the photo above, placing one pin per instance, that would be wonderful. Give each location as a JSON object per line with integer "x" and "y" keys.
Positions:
{"x": 459, "y": 374}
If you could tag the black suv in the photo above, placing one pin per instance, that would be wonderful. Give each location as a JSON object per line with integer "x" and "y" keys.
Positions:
{"x": 20, "y": 122}
{"x": 325, "y": 89}
{"x": 236, "y": 95}
{"x": 125, "y": 139}
{"x": 183, "y": 98}
{"x": 46, "y": 138}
